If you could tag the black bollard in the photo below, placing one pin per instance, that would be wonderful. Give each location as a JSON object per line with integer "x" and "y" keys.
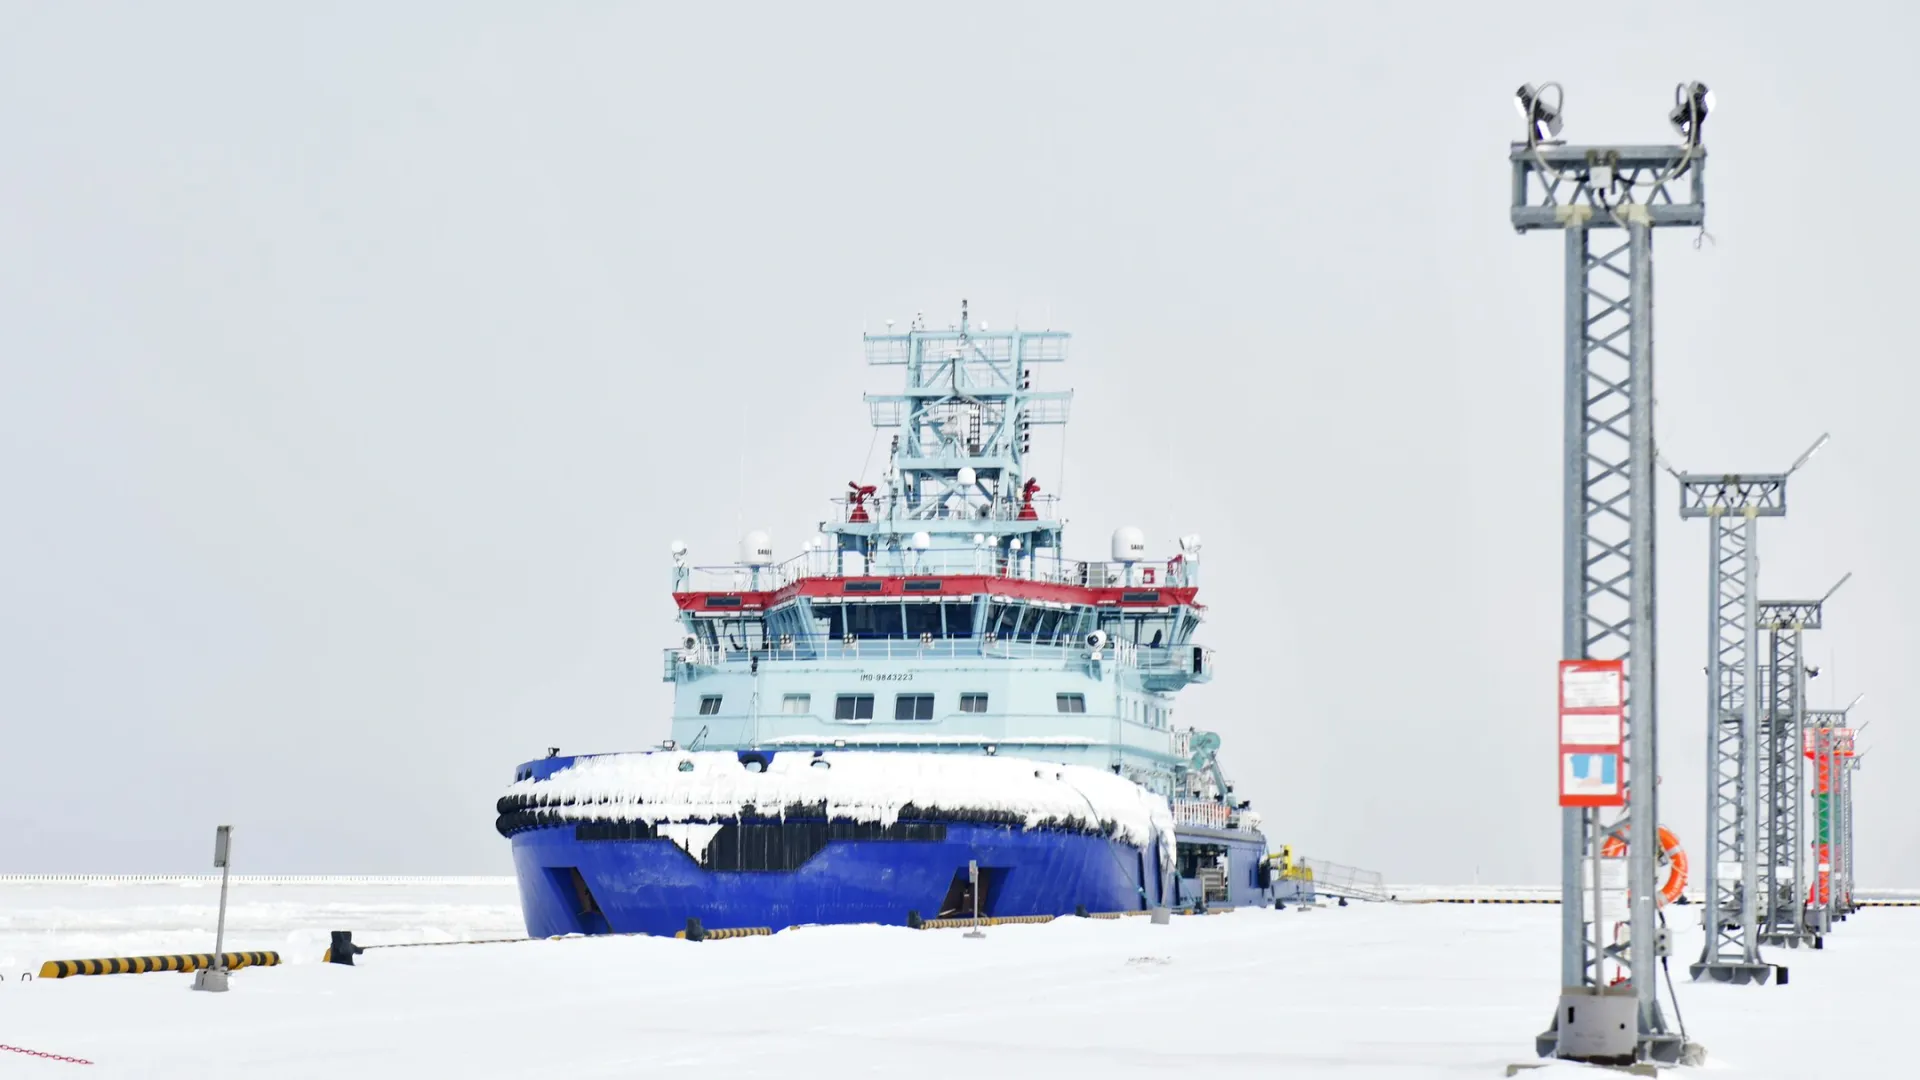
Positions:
{"x": 694, "y": 930}
{"x": 914, "y": 922}
{"x": 343, "y": 950}
{"x": 1343, "y": 901}
{"x": 1080, "y": 910}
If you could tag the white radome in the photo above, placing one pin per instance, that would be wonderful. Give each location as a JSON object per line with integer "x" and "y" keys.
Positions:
{"x": 1129, "y": 544}
{"x": 756, "y": 549}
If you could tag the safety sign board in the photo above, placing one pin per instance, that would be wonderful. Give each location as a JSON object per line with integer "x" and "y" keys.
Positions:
{"x": 1592, "y": 732}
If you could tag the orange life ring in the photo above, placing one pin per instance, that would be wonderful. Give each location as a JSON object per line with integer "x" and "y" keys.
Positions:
{"x": 1671, "y": 853}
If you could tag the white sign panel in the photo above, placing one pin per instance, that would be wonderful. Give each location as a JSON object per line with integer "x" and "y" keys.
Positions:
{"x": 1590, "y": 776}
{"x": 1590, "y": 729}
{"x": 1589, "y": 689}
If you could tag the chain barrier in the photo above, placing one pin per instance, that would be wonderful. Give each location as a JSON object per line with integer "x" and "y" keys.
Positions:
{"x": 44, "y": 1054}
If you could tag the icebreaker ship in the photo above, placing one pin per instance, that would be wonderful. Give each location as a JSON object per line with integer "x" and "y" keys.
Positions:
{"x": 930, "y": 710}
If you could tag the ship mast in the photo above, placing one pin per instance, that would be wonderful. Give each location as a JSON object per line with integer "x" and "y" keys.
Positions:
{"x": 957, "y": 479}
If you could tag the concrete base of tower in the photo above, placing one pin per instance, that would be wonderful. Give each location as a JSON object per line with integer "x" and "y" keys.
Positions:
{"x": 1737, "y": 972}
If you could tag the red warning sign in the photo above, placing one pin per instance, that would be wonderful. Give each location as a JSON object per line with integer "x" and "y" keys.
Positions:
{"x": 1592, "y": 733}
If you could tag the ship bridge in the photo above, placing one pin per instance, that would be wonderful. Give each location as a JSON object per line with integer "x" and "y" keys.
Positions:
{"x": 935, "y": 609}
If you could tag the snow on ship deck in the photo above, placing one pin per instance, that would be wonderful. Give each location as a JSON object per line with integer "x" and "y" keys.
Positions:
{"x": 1406, "y": 991}
{"x": 643, "y": 841}
{"x": 706, "y": 785}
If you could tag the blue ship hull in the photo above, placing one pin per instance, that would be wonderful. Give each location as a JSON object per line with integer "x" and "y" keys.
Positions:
{"x": 570, "y": 885}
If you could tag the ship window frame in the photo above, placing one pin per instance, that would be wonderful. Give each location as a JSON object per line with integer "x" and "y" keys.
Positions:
{"x": 846, "y": 707}
{"x": 979, "y": 698}
{"x": 1075, "y": 704}
{"x": 788, "y": 701}
{"x": 919, "y": 707}
{"x": 915, "y": 621}
{"x": 957, "y": 617}
{"x": 710, "y": 704}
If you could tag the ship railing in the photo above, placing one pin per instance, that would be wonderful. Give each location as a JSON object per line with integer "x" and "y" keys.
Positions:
{"x": 907, "y": 515}
{"x": 1339, "y": 880}
{"x": 1176, "y": 572}
{"x": 1212, "y": 814}
{"x": 1178, "y": 658}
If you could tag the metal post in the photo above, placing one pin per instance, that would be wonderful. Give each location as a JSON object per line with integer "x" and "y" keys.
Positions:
{"x": 973, "y": 879}
{"x": 1842, "y": 849}
{"x": 1734, "y": 735}
{"x": 1607, "y": 548}
{"x": 1786, "y": 885}
{"x": 1825, "y": 727}
{"x": 1732, "y": 505}
{"x": 1750, "y": 755}
{"x": 214, "y": 978}
{"x": 1797, "y": 791}
{"x": 1575, "y": 823}
{"x": 1643, "y": 808}
{"x": 1823, "y": 800}
{"x": 1853, "y": 766}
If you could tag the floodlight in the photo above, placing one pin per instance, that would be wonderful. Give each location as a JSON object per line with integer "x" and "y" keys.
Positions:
{"x": 1542, "y": 119}
{"x": 1691, "y": 104}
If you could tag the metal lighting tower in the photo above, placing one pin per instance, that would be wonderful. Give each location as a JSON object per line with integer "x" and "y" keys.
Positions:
{"x": 1829, "y": 743}
{"x": 1783, "y": 914}
{"x": 1733, "y": 504}
{"x": 1606, "y": 201}
{"x": 1848, "y": 768}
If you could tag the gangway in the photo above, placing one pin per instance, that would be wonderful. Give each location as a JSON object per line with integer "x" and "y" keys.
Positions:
{"x": 1351, "y": 882}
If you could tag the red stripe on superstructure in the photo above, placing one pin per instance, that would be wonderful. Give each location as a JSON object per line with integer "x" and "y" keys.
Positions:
{"x": 964, "y": 585}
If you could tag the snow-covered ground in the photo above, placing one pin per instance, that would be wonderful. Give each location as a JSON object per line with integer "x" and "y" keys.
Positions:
{"x": 1401, "y": 991}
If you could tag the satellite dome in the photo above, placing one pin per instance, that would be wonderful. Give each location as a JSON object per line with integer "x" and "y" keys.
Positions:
{"x": 756, "y": 549}
{"x": 1129, "y": 544}
{"x": 967, "y": 477}
{"x": 922, "y": 541}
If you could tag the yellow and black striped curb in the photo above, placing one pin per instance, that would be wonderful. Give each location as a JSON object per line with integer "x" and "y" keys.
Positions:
{"x": 140, "y": 965}
{"x": 985, "y": 920}
{"x": 722, "y": 935}
{"x": 1886, "y": 903}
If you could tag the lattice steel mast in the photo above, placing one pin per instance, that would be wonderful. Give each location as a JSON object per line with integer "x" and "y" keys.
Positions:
{"x": 1733, "y": 503}
{"x": 1829, "y": 743}
{"x": 1783, "y": 914}
{"x": 1587, "y": 193}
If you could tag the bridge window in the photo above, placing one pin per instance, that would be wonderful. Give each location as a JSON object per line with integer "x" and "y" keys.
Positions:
{"x": 796, "y": 704}
{"x": 710, "y": 705}
{"x": 1003, "y": 620}
{"x": 973, "y": 703}
{"x": 913, "y": 707}
{"x": 959, "y": 620}
{"x": 1070, "y": 703}
{"x": 923, "y": 619}
{"x": 853, "y": 707}
{"x": 874, "y": 620}
{"x": 1151, "y": 631}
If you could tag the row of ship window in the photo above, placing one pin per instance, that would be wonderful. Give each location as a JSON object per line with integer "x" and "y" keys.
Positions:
{"x": 905, "y": 706}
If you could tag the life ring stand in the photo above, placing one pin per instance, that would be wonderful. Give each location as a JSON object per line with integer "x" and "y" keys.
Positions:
{"x": 1615, "y": 846}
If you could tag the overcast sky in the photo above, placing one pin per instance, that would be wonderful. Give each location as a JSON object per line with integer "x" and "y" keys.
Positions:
{"x": 358, "y": 363}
